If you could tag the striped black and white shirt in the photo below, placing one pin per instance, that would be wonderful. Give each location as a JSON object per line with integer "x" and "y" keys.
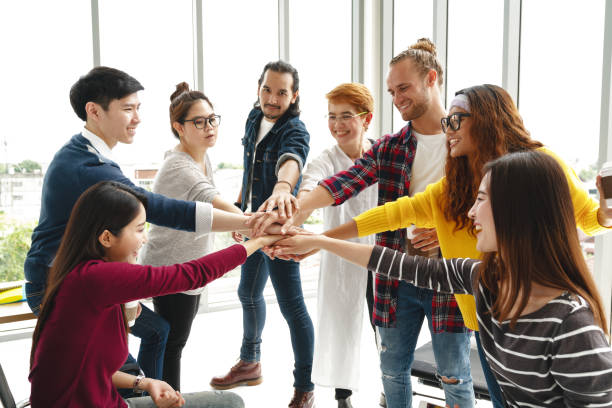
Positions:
{"x": 554, "y": 357}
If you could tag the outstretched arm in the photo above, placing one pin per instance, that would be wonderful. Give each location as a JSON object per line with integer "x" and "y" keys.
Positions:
{"x": 443, "y": 275}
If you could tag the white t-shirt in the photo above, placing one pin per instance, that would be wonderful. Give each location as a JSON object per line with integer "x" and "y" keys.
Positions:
{"x": 264, "y": 127}
{"x": 428, "y": 164}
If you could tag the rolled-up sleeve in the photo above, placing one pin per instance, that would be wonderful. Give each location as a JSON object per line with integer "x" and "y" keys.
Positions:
{"x": 295, "y": 146}
{"x": 204, "y": 218}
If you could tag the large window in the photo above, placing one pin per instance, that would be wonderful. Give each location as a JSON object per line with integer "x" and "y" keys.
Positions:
{"x": 43, "y": 53}
{"x": 411, "y": 20}
{"x": 153, "y": 43}
{"x": 475, "y": 44}
{"x": 560, "y": 83}
{"x": 560, "y": 76}
{"x": 320, "y": 49}
{"x": 234, "y": 56}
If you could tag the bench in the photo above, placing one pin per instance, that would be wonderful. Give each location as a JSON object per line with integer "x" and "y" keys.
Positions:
{"x": 15, "y": 312}
{"x": 424, "y": 368}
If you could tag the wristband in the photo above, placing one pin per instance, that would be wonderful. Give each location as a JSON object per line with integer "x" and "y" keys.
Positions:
{"x": 288, "y": 183}
{"x": 239, "y": 205}
{"x": 137, "y": 382}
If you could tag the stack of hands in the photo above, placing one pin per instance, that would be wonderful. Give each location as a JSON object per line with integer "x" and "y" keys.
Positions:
{"x": 279, "y": 215}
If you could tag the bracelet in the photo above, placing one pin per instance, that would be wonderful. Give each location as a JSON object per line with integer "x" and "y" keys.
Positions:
{"x": 288, "y": 183}
{"x": 137, "y": 382}
{"x": 239, "y": 205}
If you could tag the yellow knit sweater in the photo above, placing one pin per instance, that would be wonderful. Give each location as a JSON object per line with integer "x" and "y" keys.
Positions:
{"x": 426, "y": 210}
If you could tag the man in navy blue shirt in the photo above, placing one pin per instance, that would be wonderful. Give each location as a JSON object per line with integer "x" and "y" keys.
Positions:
{"x": 106, "y": 99}
{"x": 276, "y": 144}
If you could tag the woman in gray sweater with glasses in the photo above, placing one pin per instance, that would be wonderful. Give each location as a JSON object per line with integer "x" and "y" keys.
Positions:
{"x": 186, "y": 174}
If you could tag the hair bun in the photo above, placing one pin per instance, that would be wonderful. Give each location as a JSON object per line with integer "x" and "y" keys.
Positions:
{"x": 425, "y": 44}
{"x": 180, "y": 88}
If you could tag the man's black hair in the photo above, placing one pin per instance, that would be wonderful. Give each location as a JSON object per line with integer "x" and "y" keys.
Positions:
{"x": 283, "y": 67}
{"x": 101, "y": 85}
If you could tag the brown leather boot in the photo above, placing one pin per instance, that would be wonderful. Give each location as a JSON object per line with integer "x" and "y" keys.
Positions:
{"x": 302, "y": 399}
{"x": 243, "y": 373}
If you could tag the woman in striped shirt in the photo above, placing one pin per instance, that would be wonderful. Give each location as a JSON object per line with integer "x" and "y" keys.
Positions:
{"x": 541, "y": 318}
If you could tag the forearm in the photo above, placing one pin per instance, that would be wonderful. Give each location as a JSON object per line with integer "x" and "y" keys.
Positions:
{"x": 221, "y": 204}
{"x": 254, "y": 244}
{"x": 227, "y": 221}
{"x": 344, "y": 231}
{"x": 357, "y": 253}
{"x": 124, "y": 380}
{"x": 289, "y": 172}
{"x": 317, "y": 198}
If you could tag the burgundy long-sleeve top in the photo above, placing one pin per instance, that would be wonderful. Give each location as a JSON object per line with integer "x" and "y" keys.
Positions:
{"x": 83, "y": 343}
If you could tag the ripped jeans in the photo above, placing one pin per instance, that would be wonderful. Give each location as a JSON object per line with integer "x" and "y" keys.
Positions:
{"x": 452, "y": 352}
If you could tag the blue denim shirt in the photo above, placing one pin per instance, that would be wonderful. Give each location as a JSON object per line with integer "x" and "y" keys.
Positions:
{"x": 287, "y": 140}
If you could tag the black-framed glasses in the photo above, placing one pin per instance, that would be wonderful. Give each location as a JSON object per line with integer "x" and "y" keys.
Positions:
{"x": 201, "y": 122}
{"x": 453, "y": 121}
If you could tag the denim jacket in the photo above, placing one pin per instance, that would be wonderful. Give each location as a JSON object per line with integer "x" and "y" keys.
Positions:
{"x": 287, "y": 140}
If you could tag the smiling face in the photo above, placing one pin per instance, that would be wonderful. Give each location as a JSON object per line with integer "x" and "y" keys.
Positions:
{"x": 460, "y": 142}
{"x": 125, "y": 246}
{"x": 192, "y": 138}
{"x": 407, "y": 86}
{"x": 275, "y": 94}
{"x": 119, "y": 122}
{"x": 481, "y": 214}
{"x": 347, "y": 132}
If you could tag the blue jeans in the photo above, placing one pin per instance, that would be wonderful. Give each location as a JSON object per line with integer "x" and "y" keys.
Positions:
{"x": 451, "y": 350}
{"x": 152, "y": 329}
{"x": 495, "y": 392}
{"x": 285, "y": 277}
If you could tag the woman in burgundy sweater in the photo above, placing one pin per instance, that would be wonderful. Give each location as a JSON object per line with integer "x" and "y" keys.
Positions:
{"x": 80, "y": 340}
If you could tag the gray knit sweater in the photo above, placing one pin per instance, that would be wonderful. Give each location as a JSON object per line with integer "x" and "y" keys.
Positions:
{"x": 180, "y": 177}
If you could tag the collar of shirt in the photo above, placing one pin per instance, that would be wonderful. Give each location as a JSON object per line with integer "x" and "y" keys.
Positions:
{"x": 98, "y": 144}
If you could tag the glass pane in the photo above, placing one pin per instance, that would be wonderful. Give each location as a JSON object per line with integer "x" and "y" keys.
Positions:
{"x": 557, "y": 66}
{"x": 42, "y": 57}
{"x": 475, "y": 44}
{"x": 411, "y": 20}
{"x": 561, "y": 77}
{"x": 152, "y": 41}
{"x": 322, "y": 57}
{"x": 233, "y": 61}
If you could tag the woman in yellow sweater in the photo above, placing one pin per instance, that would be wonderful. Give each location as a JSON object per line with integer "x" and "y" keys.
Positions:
{"x": 483, "y": 124}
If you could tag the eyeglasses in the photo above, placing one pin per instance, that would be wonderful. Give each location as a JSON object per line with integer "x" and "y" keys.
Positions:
{"x": 344, "y": 117}
{"x": 453, "y": 121}
{"x": 201, "y": 122}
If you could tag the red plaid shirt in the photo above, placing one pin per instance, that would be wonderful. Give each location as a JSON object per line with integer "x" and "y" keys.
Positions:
{"x": 389, "y": 163}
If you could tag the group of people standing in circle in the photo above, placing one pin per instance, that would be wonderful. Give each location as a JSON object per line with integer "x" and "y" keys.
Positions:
{"x": 460, "y": 218}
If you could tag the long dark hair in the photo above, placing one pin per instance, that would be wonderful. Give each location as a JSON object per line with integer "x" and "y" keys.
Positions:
{"x": 496, "y": 129}
{"x": 536, "y": 233}
{"x": 107, "y": 205}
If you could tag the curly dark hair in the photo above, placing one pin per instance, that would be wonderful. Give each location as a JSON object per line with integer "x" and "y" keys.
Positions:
{"x": 496, "y": 129}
